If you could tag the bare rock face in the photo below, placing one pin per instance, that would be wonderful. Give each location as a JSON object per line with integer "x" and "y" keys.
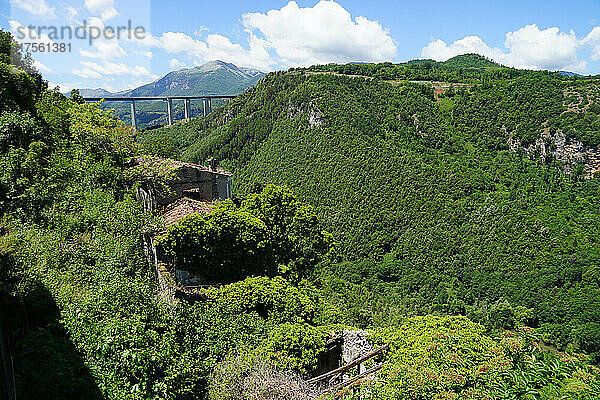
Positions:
{"x": 310, "y": 109}
{"x": 568, "y": 151}
{"x": 315, "y": 118}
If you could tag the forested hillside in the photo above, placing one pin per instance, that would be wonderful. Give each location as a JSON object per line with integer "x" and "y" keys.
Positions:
{"x": 410, "y": 214}
{"x": 439, "y": 203}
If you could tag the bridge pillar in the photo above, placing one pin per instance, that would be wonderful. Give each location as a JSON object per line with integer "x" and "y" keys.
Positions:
{"x": 188, "y": 109}
{"x": 133, "y": 124}
{"x": 204, "y": 107}
{"x": 169, "y": 111}
{"x": 209, "y": 105}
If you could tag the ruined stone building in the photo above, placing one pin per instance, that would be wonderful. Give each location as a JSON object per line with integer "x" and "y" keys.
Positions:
{"x": 175, "y": 189}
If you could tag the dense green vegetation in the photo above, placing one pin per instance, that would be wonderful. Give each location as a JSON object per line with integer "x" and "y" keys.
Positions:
{"x": 270, "y": 234}
{"x": 431, "y": 210}
{"x": 464, "y": 68}
{"x": 425, "y": 218}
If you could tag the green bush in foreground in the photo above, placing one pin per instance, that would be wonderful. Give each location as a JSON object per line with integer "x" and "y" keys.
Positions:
{"x": 271, "y": 233}
{"x": 452, "y": 358}
{"x": 296, "y": 346}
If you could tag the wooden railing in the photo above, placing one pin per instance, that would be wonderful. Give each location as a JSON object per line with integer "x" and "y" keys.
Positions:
{"x": 338, "y": 373}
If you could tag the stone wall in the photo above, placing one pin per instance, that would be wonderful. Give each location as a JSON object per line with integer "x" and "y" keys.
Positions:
{"x": 355, "y": 345}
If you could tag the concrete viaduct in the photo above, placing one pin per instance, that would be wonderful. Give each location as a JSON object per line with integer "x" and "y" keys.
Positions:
{"x": 187, "y": 100}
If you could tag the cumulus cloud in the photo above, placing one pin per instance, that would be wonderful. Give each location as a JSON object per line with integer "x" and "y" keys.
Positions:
{"x": 440, "y": 51}
{"x": 213, "y": 47}
{"x": 175, "y": 63}
{"x": 528, "y": 47}
{"x": 93, "y": 70}
{"x": 24, "y": 34}
{"x": 320, "y": 34}
{"x": 105, "y": 8}
{"x": 37, "y": 8}
{"x": 286, "y": 37}
{"x": 593, "y": 40}
{"x": 102, "y": 48}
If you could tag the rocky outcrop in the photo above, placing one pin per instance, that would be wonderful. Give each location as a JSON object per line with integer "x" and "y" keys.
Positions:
{"x": 568, "y": 151}
{"x": 310, "y": 109}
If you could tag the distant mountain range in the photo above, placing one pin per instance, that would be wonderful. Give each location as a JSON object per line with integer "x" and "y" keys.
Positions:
{"x": 567, "y": 73}
{"x": 215, "y": 77}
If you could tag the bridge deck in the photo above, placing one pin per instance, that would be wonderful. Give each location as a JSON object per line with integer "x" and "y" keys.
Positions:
{"x": 165, "y": 98}
{"x": 206, "y": 100}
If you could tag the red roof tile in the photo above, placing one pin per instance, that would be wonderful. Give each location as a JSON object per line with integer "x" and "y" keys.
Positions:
{"x": 183, "y": 207}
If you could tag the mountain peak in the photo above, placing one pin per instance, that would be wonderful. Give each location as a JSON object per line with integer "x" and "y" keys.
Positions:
{"x": 214, "y": 77}
{"x": 215, "y": 65}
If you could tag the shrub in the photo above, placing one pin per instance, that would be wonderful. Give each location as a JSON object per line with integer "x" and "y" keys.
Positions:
{"x": 252, "y": 378}
{"x": 273, "y": 299}
{"x": 296, "y": 346}
{"x": 270, "y": 234}
{"x": 431, "y": 357}
{"x": 226, "y": 245}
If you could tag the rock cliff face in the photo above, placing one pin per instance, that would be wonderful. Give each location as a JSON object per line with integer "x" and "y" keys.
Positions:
{"x": 569, "y": 152}
{"x": 579, "y": 99}
{"x": 314, "y": 115}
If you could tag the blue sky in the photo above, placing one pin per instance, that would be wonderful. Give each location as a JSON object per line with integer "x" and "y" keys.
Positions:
{"x": 270, "y": 35}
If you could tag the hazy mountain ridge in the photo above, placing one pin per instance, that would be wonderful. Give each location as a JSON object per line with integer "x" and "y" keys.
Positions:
{"x": 214, "y": 77}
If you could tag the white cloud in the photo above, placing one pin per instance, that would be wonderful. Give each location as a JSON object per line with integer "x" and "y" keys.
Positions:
{"x": 440, "y": 51}
{"x": 528, "y": 47}
{"x": 41, "y": 67}
{"x": 92, "y": 70}
{"x": 290, "y": 36}
{"x": 200, "y": 31}
{"x": 106, "y": 8}
{"x": 24, "y": 34}
{"x": 214, "y": 47}
{"x": 71, "y": 12}
{"x": 175, "y": 63}
{"x": 102, "y": 47}
{"x": 62, "y": 87}
{"x": 593, "y": 40}
{"x": 37, "y": 8}
{"x": 148, "y": 54}
{"x": 321, "y": 34}
{"x": 87, "y": 73}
